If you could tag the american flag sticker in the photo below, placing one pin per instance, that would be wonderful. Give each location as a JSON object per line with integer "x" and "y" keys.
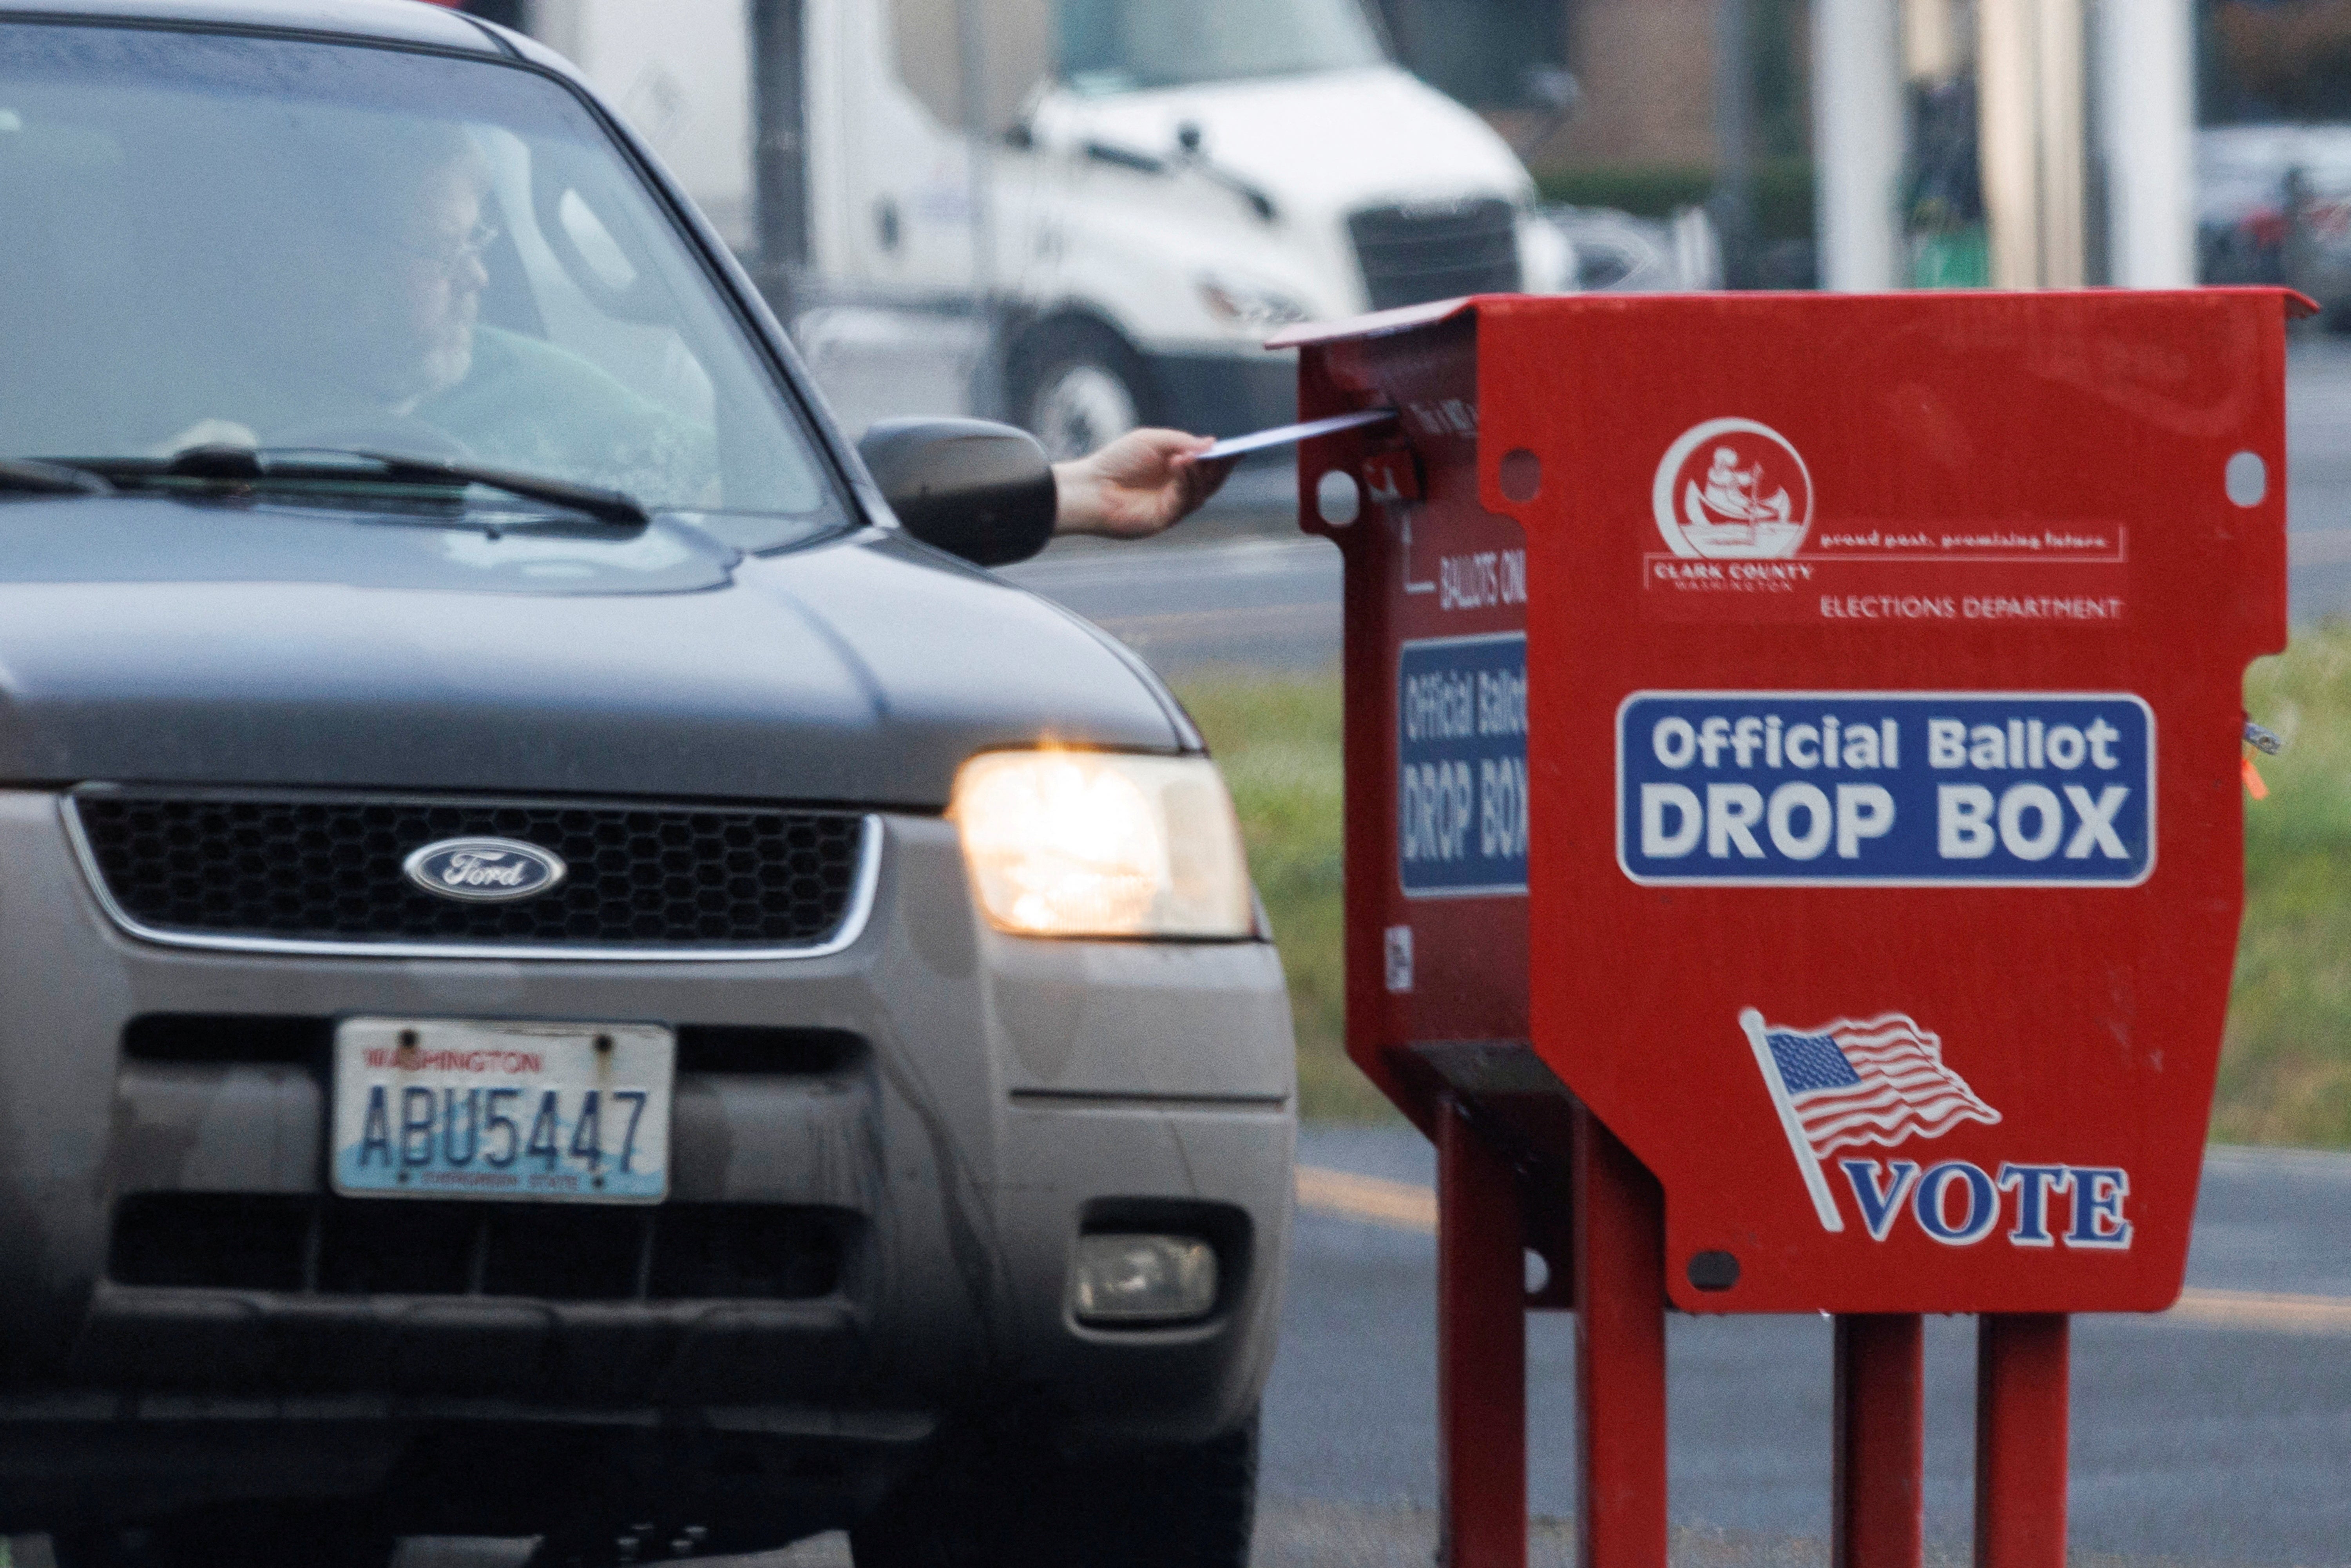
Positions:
{"x": 1876, "y": 1081}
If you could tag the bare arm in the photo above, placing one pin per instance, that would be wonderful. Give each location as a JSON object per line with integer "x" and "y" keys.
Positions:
{"x": 1144, "y": 483}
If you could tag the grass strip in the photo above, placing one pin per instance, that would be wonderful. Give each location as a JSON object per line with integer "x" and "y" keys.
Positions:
{"x": 1277, "y": 739}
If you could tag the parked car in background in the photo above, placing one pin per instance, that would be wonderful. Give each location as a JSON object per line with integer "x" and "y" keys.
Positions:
{"x": 2273, "y": 206}
{"x": 1620, "y": 252}
{"x": 572, "y": 977}
{"x": 1162, "y": 183}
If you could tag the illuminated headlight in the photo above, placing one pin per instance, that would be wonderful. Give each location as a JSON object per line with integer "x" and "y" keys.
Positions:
{"x": 1248, "y": 306}
{"x": 1087, "y": 843}
{"x": 1142, "y": 1278}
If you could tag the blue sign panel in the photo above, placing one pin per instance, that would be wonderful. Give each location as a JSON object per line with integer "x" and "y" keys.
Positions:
{"x": 1462, "y": 766}
{"x": 1904, "y": 790}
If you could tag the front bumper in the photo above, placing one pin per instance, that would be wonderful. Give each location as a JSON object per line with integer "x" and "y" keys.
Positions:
{"x": 984, "y": 1099}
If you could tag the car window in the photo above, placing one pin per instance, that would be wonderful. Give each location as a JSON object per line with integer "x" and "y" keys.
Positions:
{"x": 1122, "y": 46}
{"x": 290, "y": 243}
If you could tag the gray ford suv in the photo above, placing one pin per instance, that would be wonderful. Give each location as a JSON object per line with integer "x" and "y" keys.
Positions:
{"x": 573, "y": 970}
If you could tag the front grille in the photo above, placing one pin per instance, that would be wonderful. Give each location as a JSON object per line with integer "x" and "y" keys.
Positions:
{"x": 1411, "y": 256}
{"x": 327, "y": 869}
{"x": 349, "y": 1246}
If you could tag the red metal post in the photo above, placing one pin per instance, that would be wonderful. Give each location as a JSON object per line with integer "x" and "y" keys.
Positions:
{"x": 1482, "y": 1339}
{"x": 2021, "y": 1430}
{"x": 1880, "y": 1513}
{"x": 1620, "y": 1363}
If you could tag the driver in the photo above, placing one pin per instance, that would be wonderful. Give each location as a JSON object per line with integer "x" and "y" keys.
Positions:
{"x": 376, "y": 341}
{"x": 398, "y": 357}
{"x": 386, "y": 351}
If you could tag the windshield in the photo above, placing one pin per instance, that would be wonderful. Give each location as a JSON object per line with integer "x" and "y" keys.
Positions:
{"x": 256, "y": 241}
{"x": 1120, "y": 45}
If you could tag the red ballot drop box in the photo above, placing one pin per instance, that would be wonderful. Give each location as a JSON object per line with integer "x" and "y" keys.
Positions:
{"x": 1794, "y": 838}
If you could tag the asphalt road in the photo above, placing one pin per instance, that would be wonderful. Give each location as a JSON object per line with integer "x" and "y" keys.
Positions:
{"x": 2217, "y": 1433}
{"x": 1238, "y": 587}
{"x": 1242, "y": 588}
{"x": 2220, "y": 1432}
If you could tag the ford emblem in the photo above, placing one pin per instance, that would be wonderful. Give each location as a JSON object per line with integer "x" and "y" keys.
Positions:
{"x": 485, "y": 871}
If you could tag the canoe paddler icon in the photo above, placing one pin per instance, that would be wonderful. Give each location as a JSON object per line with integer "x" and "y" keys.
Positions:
{"x": 1733, "y": 497}
{"x": 1732, "y": 490}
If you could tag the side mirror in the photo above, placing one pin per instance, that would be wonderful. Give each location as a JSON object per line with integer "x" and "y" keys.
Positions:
{"x": 982, "y": 491}
{"x": 1554, "y": 90}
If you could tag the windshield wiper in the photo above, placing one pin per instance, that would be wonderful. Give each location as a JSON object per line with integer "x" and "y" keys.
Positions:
{"x": 615, "y": 507}
{"x": 243, "y": 465}
{"x": 35, "y": 478}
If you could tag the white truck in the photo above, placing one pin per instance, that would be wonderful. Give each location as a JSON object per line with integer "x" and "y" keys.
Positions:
{"x": 1139, "y": 194}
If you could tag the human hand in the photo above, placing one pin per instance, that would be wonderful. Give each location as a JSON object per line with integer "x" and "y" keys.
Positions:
{"x": 1144, "y": 483}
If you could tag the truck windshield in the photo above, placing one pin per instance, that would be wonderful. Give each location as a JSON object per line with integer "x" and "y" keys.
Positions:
{"x": 1122, "y": 46}
{"x": 220, "y": 240}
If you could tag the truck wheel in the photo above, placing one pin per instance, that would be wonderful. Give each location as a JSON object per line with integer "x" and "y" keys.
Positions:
{"x": 252, "y": 1536}
{"x": 1007, "y": 1507}
{"x": 1077, "y": 386}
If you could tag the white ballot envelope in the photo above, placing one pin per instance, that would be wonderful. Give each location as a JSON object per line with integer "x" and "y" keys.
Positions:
{"x": 1287, "y": 435}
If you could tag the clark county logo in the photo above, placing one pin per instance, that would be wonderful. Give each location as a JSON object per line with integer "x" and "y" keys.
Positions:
{"x": 1882, "y": 1081}
{"x": 1731, "y": 490}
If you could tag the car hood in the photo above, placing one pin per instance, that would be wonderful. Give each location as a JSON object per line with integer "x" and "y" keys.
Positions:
{"x": 860, "y": 669}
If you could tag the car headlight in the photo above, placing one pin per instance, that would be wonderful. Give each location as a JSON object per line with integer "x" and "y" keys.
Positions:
{"x": 1091, "y": 843}
{"x": 1248, "y": 307}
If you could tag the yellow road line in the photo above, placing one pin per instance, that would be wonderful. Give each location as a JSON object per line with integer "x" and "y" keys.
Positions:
{"x": 1408, "y": 1205}
{"x": 1398, "y": 1204}
{"x": 2277, "y": 1312}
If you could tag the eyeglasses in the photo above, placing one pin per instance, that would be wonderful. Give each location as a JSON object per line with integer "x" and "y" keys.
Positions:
{"x": 450, "y": 253}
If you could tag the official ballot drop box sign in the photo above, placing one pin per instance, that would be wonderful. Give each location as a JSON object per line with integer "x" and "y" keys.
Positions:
{"x": 1813, "y": 723}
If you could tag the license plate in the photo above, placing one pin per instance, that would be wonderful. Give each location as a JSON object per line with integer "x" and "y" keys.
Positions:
{"x": 541, "y": 1111}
